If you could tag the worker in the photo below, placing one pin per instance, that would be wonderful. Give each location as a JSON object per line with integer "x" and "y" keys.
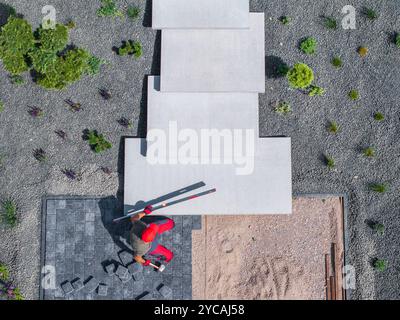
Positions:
{"x": 145, "y": 236}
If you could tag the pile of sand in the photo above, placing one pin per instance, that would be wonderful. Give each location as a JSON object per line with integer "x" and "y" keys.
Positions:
{"x": 267, "y": 257}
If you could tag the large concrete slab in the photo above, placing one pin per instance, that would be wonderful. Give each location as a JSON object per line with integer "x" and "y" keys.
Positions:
{"x": 200, "y": 14}
{"x": 214, "y": 60}
{"x": 267, "y": 190}
{"x": 200, "y": 110}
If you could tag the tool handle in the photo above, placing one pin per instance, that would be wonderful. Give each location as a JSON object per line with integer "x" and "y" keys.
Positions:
{"x": 154, "y": 266}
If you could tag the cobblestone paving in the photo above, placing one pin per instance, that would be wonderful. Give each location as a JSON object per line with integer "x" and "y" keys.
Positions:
{"x": 80, "y": 240}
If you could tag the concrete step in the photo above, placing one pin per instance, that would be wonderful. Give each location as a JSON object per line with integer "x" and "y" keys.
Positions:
{"x": 200, "y": 14}
{"x": 214, "y": 60}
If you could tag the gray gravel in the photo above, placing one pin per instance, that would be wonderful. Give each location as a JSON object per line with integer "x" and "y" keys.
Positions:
{"x": 376, "y": 77}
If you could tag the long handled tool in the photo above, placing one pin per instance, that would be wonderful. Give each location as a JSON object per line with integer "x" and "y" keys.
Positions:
{"x": 160, "y": 268}
{"x": 167, "y": 204}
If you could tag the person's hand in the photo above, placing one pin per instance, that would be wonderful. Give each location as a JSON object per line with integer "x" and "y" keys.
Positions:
{"x": 146, "y": 262}
{"x": 137, "y": 216}
{"x": 148, "y": 210}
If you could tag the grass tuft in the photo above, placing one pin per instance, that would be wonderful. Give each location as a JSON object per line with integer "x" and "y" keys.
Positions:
{"x": 336, "y": 62}
{"x": 8, "y": 212}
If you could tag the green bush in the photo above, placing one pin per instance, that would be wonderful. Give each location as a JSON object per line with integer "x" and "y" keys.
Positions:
{"x": 379, "y": 228}
{"x": 283, "y": 108}
{"x": 8, "y": 212}
{"x": 97, "y": 141}
{"x": 284, "y": 20}
{"x": 330, "y": 162}
{"x": 379, "y": 116}
{"x": 353, "y": 95}
{"x": 378, "y": 187}
{"x": 133, "y": 12}
{"x": 4, "y": 273}
{"x": 45, "y": 52}
{"x": 53, "y": 40}
{"x": 315, "y": 91}
{"x": 130, "y": 48}
{"x": 379, "y": 265}
{"x": 17, "y": 79}
{"x": 336, "y": 62}
{"x": 1, "y": 106}
{"x": 308, "y": 45}
{"x": 370, "y": 13}
{"x": 369, "y": 152}
{"x": 300, "y": 76}
{"x": 109, "y": 9}
{"x": 333, "y": 127}
{"x": 397, "y": 40}
{"x": 330, "y": 23}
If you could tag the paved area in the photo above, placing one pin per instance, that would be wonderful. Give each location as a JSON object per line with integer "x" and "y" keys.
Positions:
{"x": 80, "y": 241}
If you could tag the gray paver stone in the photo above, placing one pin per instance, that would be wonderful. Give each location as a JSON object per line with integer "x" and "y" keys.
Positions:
{"x": 67, "y": 287}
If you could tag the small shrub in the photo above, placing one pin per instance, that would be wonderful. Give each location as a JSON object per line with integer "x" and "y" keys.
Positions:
{"x": 130, "y": 48}
{"x": 379, "y": 265}
{"x": 379, "y": 116}
{"x": 315, "y": 91}
{"x": 70, "y": 24}
{"x": 362, "y": 51}
{"x": 397, "y": 40}
{"x": 70, "y": 174}
{"x": 370, "y": 13}
{"x": 17, "y": 80}
{"x": 353, "y": 95}
{"x": 336, "y": 62}
{"x": 333, "y": 127}
{"x": 330, "y": 162}
{"x": 369, "y": 152}
{"x": 8, "y": 212}
{"x": 283, "y": 108}
{"x": 40, "y": 155}
{"x": 133, "y": 12}
{"x": 1, "y": 106}
{"x": 378, "y": 187}
{"x": 105, "y": 93}
{"x": 284, "y": 20}
{"x": 125, "y": 122}
{"x": 35, "y": 112}
{"x": 53, "y": 40}
{"x": 300, "y": 76}
{"x": 62, "y": 134}
{"x": 109, "y": 9}
{"x": 97, "y": 141}
{"x": 73, "y": 106}
{"x": 4, "y": 273}
{"x": 94, "y": 64}
{"x": 308, "y": 45}
{"x": 106, "y": 170}
{"x": 379, "y": 228}
{"x": 330, "y": 23}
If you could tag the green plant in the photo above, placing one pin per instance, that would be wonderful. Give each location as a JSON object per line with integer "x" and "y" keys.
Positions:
{"x": 40, "y": 155}
{"x": 133, "y": 12}
{"x": 17, "y": 295}
{"x": 308, "y": 45}
{"x": 333, "y": 127}
{"x": 4, "y": 273}
{"x": 378, "y": 187}
{"x": 8, "y": 212}
{"x": 52, "y": 40}
{"x": 282, "y": 69}
{"x": 379, "y": 265}
{"x": 315, "y": 91}
{"x": 379, "y": 116}
{"x": 330, "y": 23}
{"x": 362, "y": 51}
{"x": 1, "y": 106}
{"x": 284, "y": 20}
{"x": 353, "y": 95}
{"x": 109, "y": 9}
{"x": 97, "y": 141}
{"x": 16, "y": 40}
{"x": 17, "y": 80}
{"x": 300, "y": 76}
{"x": 369, "y": 152}
{"x": 283, "y": 108}
{"x": 370, "y": 13}
{"x": 94, "y": 64}
{"x": 329, "y": 161}
{"x": 397, "y": 39}
{"x": 336, "y": 62}
{"x": 130, "y": 48}
{"x": 379, "y": 228}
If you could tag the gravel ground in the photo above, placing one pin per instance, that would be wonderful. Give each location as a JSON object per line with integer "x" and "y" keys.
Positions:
{"x": 375, "y": 76}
